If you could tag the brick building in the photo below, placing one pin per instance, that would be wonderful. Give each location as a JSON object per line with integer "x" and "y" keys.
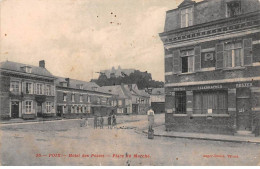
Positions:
{"x": 26, "y": 91}
{"x": 75, "y": 98}
{"x": 157, "y": 99}
{"x": 212, "y": 54}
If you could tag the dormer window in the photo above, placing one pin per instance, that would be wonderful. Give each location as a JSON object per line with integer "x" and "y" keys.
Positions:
{"x": 80, "y": 86}
{"x": 27, "y": 69}
{"x": 64, "y": 84}
{"x": 233, "y": 8}
{"x": 94, "y": 88}
{"x": 186, "y": 17}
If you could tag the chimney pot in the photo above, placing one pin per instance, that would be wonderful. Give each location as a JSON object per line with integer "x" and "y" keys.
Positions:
{"x": 42, "y": 63}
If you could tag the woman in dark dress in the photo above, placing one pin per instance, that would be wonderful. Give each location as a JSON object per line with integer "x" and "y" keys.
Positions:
{"x": 109, "y": 121}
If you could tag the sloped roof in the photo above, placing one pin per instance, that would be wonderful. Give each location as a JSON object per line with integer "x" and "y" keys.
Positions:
{"x": 116, "y": 90}
{"x": 135, "y": 90}
{"x": 18, "y": 67}
{"x": 157, "y": 91}
{"x": 74, "y": 83}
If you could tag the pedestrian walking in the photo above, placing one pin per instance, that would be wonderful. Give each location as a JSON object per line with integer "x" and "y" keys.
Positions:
{"x": 95, "y": 122}
{"x": 101, "y": 122}
{"x": 114, "y": 120}
{"x": 109, "y": 121}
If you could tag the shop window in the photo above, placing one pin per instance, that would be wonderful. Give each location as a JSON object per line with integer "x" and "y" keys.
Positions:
{"x": 233, "y": 8}
{"x": 186, "y": 17}
{"x": 187, "y": 60}
{"x": 180, "y": 102}
{"x": 233, "y": 55}
{"x": 210, "y": 102}
{"x": 48, "y": 107}
{"x": 28, "y": 107}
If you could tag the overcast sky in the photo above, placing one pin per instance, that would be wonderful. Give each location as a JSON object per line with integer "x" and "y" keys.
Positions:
{"x": 77, "y": 38}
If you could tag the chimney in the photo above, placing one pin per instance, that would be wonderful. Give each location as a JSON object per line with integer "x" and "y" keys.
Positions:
{"x": 68, "y": 81}
{"x": 42, "y": 63}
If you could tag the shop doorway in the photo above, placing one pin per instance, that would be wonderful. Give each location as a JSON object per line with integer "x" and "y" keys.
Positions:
{"x": 243, "y": 114}
{"x": 15, "y": 109}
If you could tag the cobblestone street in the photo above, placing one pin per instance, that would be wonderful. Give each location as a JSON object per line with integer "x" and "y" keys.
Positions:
{"x": 63, "y": 143}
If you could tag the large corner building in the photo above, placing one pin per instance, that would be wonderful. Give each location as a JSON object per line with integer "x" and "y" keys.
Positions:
{"x": 212, "y": 66}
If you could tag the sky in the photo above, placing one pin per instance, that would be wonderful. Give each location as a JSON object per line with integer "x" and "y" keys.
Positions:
{"x": 78, "y": 38}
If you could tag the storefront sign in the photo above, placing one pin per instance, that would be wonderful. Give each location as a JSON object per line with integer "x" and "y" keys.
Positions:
{"x": 210, "y": 87}
{"x": 179, "y": 89}
{"x": 239, "y": 85}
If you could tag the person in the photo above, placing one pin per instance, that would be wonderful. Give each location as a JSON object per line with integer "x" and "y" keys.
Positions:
{"x": 150, "y": 114}
{"x": 114, "y": 120}
{"x": 95, "y": 122}
{"x": 101, "y": 122}
{"x": 109, "y": 121}
{"x": 86, "y": 121}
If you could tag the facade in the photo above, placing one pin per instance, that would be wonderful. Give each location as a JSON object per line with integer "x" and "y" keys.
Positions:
{"x": 212, "y": 54}
{"x": 140, "y": 100}
{"x": 157, "y": 98}
{"x": 75, "y": 98}
{"x": 123, "y": 101}
{"x": 26, "y": 91}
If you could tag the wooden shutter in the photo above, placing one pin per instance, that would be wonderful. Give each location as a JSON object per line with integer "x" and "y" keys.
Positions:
{"x": 24, "y": 87}
{"x": 248, "y": 52}
{"x": 176, "y": 62}
{"x": 35, "y": 88}
{"x": 197, "y": 55}
{"x": 219, "y": 55}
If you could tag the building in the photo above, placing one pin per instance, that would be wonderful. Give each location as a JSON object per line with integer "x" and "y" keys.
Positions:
{"x": 123, "y": 101}
{"x": 117, "y": 72}
{"x": 26, "y": 91}
{"x": 75, "y": 98}
{"x": 140, "y": 100}
{"x": 212, "y": 54}
{"x": 157, "y": 99}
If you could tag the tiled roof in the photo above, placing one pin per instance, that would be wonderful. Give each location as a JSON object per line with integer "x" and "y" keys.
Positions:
{"x": 18, "y": 67}
{"x": 116, "y": 90}
{"x": 135, "y": 90}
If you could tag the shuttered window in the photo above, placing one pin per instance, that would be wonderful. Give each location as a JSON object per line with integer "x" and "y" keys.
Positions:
{"x": 215, "y": 101}
{"x": 233, "y": 55}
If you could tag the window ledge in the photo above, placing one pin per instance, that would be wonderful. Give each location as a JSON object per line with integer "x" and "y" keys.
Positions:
{"x": 234, "y": 68}
{"x": 210, "y": 115}
{"x": 186, "y": 73}
{"x": 180, "y": 115}
{"x": 207, "y": 69}
{"x": 256, "y": 64}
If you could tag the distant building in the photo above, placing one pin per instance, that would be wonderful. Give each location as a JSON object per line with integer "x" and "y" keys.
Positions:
{"x": 26, "y": 91}
{"x": 212, "y": 55}
{"x": 157, "y": 97}
{"x": 77, "y": 98}
{"x": 117, "y": 72}
{"x": 123, "y": 100}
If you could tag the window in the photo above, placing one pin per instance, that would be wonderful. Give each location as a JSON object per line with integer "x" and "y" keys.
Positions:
{"x": 48, "y": 90}
{"x": 81, "y": 86}
{"x": 39, "y": 89}
{"x": 233, "y": 55}
{"x": 14, "y": 87}
{"x": 233, "y": 8}
{"x": 98, "y": 100}
{"x": 28, "y": 69}
{"x": 72, "y": 109}
{"x": 28, "y": 107}
{"x": 187, "y": 61}
{"x": 210, "y": 101}
{"x": 73, "y": 97}
{"x": 186, "y": 17}
{"x": 48, "y": 107}
{"x": 180, "y": 102}
{"x": 81, "y": 98}
{"x": 88, "y": 99}
{"x": 64, "y": 96}
{"x": 28, "y": 88}
{"x": 119, "y": 102}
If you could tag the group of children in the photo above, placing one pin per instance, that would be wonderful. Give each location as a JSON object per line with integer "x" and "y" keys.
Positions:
{"x": 99, "y": 121}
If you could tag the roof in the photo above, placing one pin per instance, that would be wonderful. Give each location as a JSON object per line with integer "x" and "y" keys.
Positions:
{"x": 74, "y": 83}
{"x": 135, "y": 90}
{"x": 157, "y": 91}
{"x": 18, "y": 67}
{"x": 117, "y": 90}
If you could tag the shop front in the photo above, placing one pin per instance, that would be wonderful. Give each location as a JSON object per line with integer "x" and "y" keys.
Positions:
{"x": 224, "y": 108}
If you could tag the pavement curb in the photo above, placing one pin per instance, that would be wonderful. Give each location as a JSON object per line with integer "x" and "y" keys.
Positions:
{"x": 198, "y": 138}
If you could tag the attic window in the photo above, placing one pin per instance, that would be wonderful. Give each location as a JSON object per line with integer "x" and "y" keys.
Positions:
{"x": 64, "y": 84}
{"x": 233, "y": 8}
{"x": 94, "y": 88}
{"x": 28, "y": 69}
{"x": 81, "y": 86}
{"x": 186, "y": 17}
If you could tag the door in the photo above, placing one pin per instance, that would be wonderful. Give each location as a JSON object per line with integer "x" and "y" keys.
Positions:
{"x": 59, "y": 111}
{"x": 135, "y": 108}
{"x": 243, "y": 114}
{"x": 15, "y": 109}
{"x": 39, "y": 109}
